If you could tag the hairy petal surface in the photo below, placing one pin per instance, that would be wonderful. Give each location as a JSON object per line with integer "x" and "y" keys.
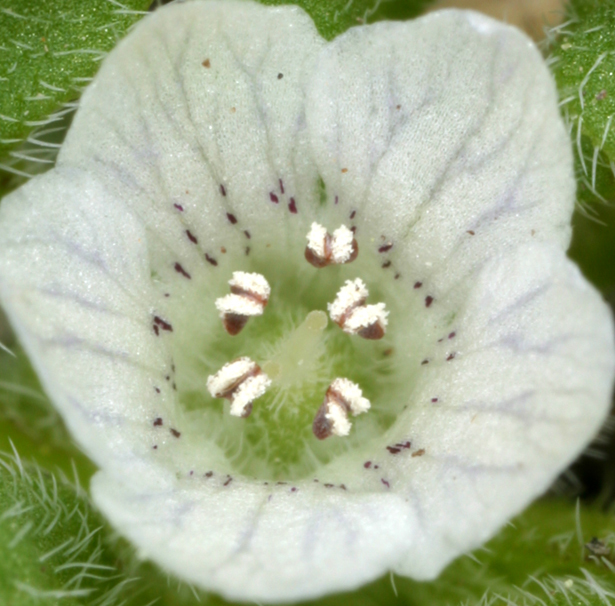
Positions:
{"x": 198, "y": 114}
{"x": 75, "y": 282}
{"x": 215, "y": 134}
{"x": 528, "y": 386}
{"x": 445, "y": 131}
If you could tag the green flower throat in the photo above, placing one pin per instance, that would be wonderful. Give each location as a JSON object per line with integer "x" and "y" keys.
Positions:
{"x": 300, "y": 349}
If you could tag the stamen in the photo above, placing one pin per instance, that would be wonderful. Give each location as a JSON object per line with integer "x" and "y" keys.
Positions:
{"x": 325, "y": 249}
{"x": 342, "y": 397}
{"x": 241, "y": 382}
{"x": 353, "y": 316}
{"x": 249, "y": 296}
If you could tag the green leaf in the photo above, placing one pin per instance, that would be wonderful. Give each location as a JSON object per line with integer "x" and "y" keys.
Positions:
{"x": 399, "y": 10}
{"x": 51, "y": 545}
{"x": 48, "y": 51}
{"x": 583, "y": 62}
{"x": 333, "y": 17}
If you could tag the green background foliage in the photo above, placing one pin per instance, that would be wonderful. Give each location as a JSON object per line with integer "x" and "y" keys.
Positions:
{"x": 48, "y": 52}
{"x": 55, "y": 548}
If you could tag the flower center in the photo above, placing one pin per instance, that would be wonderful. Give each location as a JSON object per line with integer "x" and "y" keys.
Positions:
{"x": 301, "y": 351}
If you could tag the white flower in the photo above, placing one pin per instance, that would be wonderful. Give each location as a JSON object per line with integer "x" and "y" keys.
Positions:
{"x": 210, "y": 141}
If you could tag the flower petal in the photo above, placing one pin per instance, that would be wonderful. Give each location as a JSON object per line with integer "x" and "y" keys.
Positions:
{"x": 530, "y": 383}
{"x": 529, "y": 387}
{"x": 254, "y": 542}
{"x": 196, "y": 127}
{"x": 445, "y": 132}
{"x": 75, "y": 281}
{"x": 198, "y": 115}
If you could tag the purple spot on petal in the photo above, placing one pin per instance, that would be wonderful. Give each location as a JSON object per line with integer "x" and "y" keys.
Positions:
{"x": 418, "y": 284}
{"x": 385, "y": 247}
{"x": 273, "y": 198}
{"x": 210, "y": 260}
{"x": 434, "y": 400}
{"x": 222, "y": 190}
{"x": 385, "y": 482}
{"x": 180, "y": 270}
{"x": 428, "y": 301}
{"x": 452, "y": 335}
{"x": 367, "y": 464}
{"x": 281, "y": 185}
{"x": 232, "y": 218}
{"x": 292, "y": 206}
{"x": 179, "y": 207}
{"x": 163, "y": 325}
{"x": 353, "y": 214}
{"x": 386, "y": 264}
{"x": 337, "y": 199}
{"x": 247, "y": 234}
{"x": 157, "y": 422}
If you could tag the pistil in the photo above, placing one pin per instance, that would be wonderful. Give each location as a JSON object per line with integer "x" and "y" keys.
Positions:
{"x": 298, "y": 353}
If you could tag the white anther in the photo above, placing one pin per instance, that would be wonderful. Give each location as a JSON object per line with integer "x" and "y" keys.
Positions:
{"x": 365, "y": 316}
{"x": 325, "y": 249}
{"x": 253, "y": 283}
{"x": 316, "y": 240}
{"x": 249, "y": 296}
{"x": 240, "y": 381}
{"x": 338, "y": 417}
{"x": 239, "y": 305}
{"x": 343, "y": 396}
{"x": 352, "y": 394}
{"x": 252, "y": 388}
{"x": 349, "y": 296}
{"x": 341, "y": 245}
{"x": 355, "y": 318}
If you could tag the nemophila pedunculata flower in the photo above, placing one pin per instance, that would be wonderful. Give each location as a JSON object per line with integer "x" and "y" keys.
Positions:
{"x": 426, "y": 166}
